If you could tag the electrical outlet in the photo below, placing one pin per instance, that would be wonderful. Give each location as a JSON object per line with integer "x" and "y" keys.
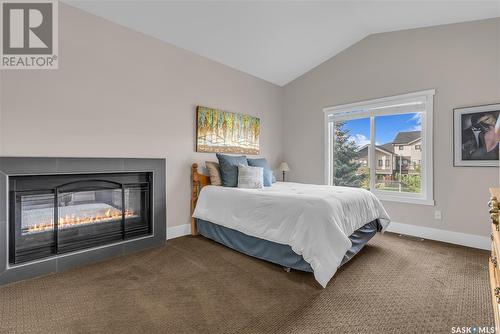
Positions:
{"x": 438, "y": 215}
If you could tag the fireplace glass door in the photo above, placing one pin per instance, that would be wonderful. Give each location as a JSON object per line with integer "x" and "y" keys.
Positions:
{"x": 136, "y": 199}
{"x": 89, "y": 214}
{"x": 77, "y": 215}
{"x": 35, "y": 237}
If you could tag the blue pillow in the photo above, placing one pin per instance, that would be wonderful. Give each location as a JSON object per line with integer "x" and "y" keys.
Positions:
{"x": 269, "y": 178}
{"x": 229, "y": 168}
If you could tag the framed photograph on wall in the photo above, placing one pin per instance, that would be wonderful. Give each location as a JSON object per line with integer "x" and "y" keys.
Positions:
{"x": 475, "y": 141}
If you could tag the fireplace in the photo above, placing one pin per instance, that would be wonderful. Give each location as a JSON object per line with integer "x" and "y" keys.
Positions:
{"x": 51, "y": 215}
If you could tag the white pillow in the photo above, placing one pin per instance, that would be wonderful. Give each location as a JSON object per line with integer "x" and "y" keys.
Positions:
{"x": 250, "y": 177}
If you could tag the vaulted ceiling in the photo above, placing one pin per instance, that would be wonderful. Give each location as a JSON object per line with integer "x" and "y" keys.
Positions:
{"x": 280, "y": 40}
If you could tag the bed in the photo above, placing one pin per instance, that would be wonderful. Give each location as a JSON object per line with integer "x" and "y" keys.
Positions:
{"x": 311, "y": 228}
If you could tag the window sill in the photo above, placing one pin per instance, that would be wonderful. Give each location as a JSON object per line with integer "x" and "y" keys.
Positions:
{"x": 404, "y": 199}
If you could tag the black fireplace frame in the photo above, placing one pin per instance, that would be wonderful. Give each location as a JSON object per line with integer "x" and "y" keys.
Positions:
{"x": 25, "y": 166}
{"x": 76, "y": 183}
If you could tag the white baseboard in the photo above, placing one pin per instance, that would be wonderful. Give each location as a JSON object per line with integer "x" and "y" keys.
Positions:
{"x": 457, "y": 238}
{"x": 178, "y": 231}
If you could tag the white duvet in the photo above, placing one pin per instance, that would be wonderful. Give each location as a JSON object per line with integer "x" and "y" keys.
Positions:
{"x": 315, "y": 220}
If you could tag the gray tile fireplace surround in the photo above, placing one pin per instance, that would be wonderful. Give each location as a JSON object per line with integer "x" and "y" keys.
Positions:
{"x": 10, "y": 166}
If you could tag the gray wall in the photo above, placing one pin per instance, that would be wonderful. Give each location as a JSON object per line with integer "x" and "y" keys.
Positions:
{"x": 1, "y": 120}
{"x": 119, "y": 93}
{"x": 461, "y": 61}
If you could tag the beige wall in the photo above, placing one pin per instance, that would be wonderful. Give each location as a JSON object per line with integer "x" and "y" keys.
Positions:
{"x": 461, "y": 61}
{"x": 383, "y": 156}
{"x": 409, "y": 151}
{"x": 119, "y": 93}
{"x": 1, "y": 130}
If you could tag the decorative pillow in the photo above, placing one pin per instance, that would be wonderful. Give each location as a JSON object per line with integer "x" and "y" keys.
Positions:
{"x": 214, "y": 173}
{"x": 269, "y": 178}
{"x": 250, "y": 177}
{"x": 228, "y": 165}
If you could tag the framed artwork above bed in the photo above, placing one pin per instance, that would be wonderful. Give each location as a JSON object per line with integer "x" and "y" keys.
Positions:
{"x": 226, "y": 132}
{"x": 476, "y": 141}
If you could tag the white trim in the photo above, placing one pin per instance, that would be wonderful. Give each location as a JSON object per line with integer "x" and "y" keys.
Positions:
{"x": 384, "y": 196}
{"x": 178, "y": 231}
{"x": 372, "y": 155}
{"x": 375, "y": 103}
{"x": 383, "y": 150}
{"x": 369, "y": 109}
{"x": 411, "y": 142}
{"x": 427, "y": 147}
{"x": 377, "y": 147}
{"x": 457, "y": 238}
{"x": 328, "y": 172}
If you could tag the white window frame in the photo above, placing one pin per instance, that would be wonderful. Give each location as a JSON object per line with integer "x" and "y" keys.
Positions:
{"x": 365, "y": 109}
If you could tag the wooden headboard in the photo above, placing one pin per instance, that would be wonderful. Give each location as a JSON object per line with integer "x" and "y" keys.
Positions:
{"x": 198, "y": 181}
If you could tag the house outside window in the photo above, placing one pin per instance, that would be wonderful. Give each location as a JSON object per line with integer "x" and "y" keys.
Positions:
{"x": 376, "y": 133}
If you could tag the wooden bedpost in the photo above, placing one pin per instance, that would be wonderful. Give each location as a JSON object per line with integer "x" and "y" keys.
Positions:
{"x": 198, "y": 181}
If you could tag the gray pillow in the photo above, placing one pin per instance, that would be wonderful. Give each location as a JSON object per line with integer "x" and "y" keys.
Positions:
{"x": 269, "y": 177}
{"x": 250, "y": 177}
{"x": 228, "y": 165}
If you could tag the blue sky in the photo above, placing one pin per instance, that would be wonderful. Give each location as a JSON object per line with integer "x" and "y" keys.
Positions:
{"x": 386, "y": 127}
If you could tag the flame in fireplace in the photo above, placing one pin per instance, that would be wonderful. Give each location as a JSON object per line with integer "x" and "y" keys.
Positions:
{"x": 70, "y": 221}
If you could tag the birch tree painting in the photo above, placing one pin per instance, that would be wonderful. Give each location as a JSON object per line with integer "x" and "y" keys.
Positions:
{"x": 226, "y": 132}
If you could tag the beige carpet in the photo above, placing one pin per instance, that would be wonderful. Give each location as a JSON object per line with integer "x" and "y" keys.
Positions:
{"x": 193, "y": 285}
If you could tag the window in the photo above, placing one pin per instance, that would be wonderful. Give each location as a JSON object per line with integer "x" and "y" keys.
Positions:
{"x": 363, "y": 134}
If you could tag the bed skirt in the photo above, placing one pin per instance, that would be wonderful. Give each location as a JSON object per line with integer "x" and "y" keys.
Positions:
{"x": 278, "y": 253}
